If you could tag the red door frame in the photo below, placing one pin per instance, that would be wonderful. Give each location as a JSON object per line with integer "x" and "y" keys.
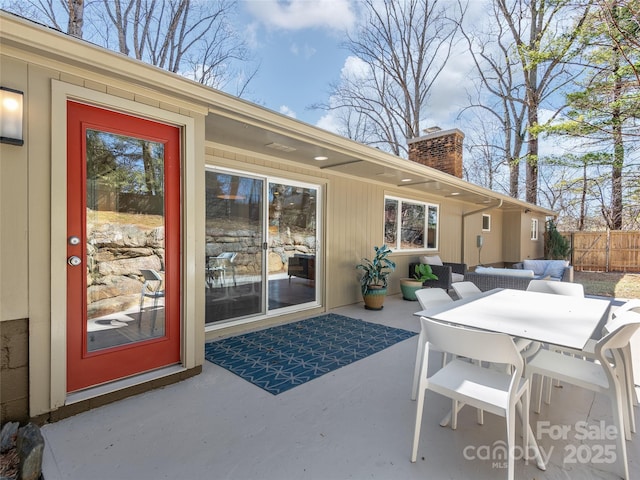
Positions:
{"x": 86, "y": 369}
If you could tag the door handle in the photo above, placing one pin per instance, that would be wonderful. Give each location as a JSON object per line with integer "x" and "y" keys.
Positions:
{"x": 74, "y": 261}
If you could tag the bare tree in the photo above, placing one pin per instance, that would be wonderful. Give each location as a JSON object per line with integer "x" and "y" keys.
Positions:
{"x": 403, "y": 47}
{"x": 54, "y": 13}
{"x": 485, "y": 163}
{"x": 501, "y": 92}
{"x": 545, "y": 37}
{"x": 193, "y": 38}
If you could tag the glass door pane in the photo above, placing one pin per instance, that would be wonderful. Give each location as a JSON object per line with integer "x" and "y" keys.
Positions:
{"x": 292, "y": 245}
{"x": 125, "y": 239}
{"x": 234, "y": 240}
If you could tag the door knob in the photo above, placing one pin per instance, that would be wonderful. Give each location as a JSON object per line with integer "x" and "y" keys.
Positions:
{"x": 74, "y": 261}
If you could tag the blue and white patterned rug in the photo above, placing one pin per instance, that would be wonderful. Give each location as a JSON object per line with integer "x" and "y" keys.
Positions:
{"x": 280, "y": 358}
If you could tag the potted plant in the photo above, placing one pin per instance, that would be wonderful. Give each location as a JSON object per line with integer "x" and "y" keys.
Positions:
{"x": 373, "y": 282}
{"x": 409, "y": 286}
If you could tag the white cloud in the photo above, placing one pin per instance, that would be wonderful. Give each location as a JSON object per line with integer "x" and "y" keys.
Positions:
{"x": 329, "y": 122}
{"x": 306, "y": 50}
{"x": 285, "y": 110}
{"x": 251, "y": 34}
{"x": 354, "y": 68}
{"x": 301, "y": 14}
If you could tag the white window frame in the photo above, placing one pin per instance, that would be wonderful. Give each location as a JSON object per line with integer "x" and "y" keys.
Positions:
{"x": 428, "y": 206}
{"x": 488, "y": 219}
{"x": 534, "y": 229}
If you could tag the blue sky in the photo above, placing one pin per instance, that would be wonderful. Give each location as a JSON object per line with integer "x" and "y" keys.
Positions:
{"x": 298, "y": 45}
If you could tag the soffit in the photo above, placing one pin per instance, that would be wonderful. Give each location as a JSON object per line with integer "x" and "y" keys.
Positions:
{"x": 277, "y": 136}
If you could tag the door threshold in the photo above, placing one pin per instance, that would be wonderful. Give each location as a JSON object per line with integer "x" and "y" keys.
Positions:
{"x": 117, "y": 385}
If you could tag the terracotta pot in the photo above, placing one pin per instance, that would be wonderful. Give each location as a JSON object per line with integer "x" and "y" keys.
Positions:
{"x": 374, "y": 298}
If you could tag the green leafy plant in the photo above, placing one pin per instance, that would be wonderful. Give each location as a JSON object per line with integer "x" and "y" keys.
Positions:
{"x": 377, "y": 270}
{"x": 423, "y": 272}
{"x": 556, "y": 246}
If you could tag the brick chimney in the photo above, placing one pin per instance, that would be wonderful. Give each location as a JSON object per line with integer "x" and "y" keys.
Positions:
{"x": 441, "y": 149}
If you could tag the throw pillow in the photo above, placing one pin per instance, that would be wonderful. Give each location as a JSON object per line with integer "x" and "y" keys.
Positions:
{"x": 555, "y": 268}
{"x": 431, "y": 260}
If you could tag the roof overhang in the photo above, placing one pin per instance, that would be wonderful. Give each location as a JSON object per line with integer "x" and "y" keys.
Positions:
{"x": 269, "y": 134}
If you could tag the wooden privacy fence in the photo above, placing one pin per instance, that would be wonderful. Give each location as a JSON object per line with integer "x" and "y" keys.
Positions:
{"x": 608, "y": 251}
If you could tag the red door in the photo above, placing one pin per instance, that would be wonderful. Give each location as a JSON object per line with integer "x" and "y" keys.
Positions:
{"x": 123, "y": 245}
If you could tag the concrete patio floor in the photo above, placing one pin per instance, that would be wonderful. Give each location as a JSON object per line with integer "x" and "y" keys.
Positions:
{"x": 353, "y": 423}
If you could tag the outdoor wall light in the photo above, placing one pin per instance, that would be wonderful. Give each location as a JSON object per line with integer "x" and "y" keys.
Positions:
{"x": 11, "y": 116}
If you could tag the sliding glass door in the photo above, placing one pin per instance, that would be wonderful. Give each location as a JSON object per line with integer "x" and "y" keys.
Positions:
{"x": 261, "y": 245}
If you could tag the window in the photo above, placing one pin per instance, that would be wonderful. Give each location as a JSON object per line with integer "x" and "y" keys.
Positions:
{"x": 410, "y": 225}
{"x": 486, "y": 222}
{"x": 534, "y": 229}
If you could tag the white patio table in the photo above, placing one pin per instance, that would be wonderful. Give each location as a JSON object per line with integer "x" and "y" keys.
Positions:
{"x": 553, "y": 319}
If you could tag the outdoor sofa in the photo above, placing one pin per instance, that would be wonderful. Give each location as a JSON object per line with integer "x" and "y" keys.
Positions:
{"x": 518, "y": 277}
{"x": 447, "y": 272}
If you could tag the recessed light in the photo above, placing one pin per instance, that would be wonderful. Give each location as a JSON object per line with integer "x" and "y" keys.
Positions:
{"x": 319, "y": 158}
{"x": 453, "y": 194}
{"x": 405, "y": 180}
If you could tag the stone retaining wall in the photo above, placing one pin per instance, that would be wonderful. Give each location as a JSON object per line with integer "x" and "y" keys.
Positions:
{"x": 116, "y": 254}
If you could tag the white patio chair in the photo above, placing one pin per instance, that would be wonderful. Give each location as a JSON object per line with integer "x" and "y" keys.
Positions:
{"x": 557, "y": 288}
{"x": 606, "y": 375}
{"x": 217, "y": 268}
{"x": 151, "y": 288}
{"x": 428, "y": 298}
{"x": 469, "y": 383}
{"x": 634, "y": 306}
{"x": 627, "y": 360}
{"x": 465, "y": 289}
{"x": 625, "y": 352}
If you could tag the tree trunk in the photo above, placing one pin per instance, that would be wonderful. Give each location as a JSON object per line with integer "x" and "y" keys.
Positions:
{"x": 618, "y": 149}
{"x": 76, "y": 18}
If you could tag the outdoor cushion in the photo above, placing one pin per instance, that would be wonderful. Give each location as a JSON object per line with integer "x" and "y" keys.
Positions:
{"x": 457, "y": 277}
{"x": 553, "y": 269}
{"x": 538, "y": 266}
{"x": 507, "y": 272}
{"x": 431, "y": 260}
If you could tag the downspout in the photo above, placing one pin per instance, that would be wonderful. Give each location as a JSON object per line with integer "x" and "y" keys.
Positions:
{"x": 465, "y": 215}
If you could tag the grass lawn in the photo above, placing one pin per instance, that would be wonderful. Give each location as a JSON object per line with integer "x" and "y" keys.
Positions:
{"x": 612, "y": 284}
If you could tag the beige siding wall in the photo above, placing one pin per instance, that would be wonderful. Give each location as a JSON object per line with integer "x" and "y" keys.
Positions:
{"x": 532, "y": 248}
{"x": 354, "y": 222}
{"x": 14, "y": 213}
{"x": 512, "y": 236}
